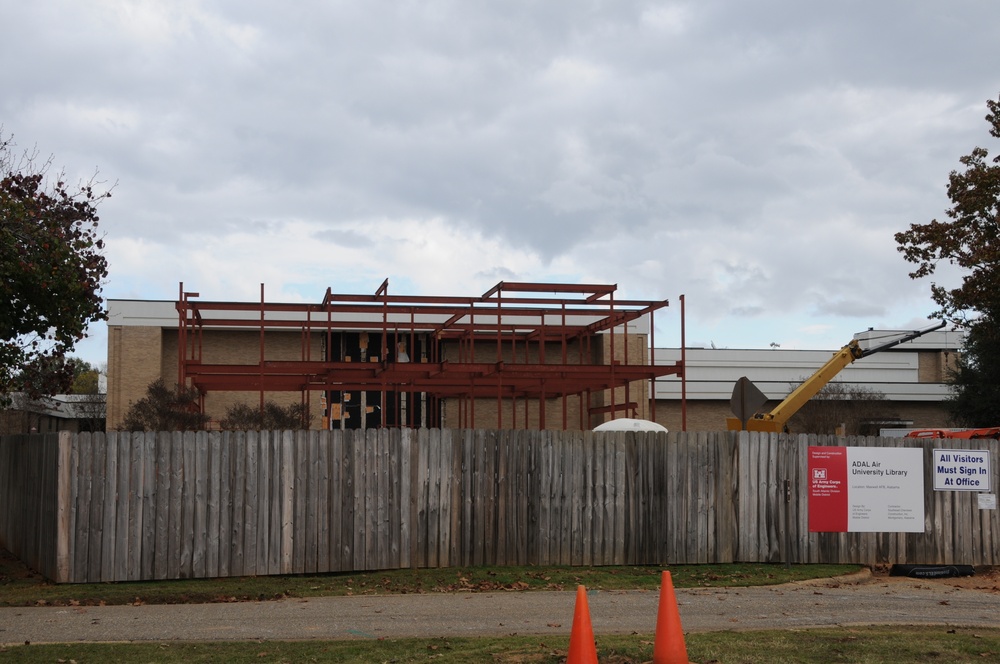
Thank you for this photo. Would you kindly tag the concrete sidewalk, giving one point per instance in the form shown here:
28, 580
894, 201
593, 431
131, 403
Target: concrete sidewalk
475, 614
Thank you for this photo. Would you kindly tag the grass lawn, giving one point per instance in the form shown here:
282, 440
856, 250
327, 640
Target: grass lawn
19, 586
864, 645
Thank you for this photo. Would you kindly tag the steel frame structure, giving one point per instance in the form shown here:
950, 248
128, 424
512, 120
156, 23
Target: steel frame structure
496, 346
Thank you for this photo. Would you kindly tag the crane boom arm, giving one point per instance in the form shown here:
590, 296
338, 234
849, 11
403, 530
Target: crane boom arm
775, 420
812, 385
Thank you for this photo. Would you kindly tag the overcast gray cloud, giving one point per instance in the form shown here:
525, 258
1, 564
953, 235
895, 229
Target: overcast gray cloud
757, 157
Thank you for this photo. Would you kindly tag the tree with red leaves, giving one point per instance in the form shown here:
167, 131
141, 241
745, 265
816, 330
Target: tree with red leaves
970, 240
51, 273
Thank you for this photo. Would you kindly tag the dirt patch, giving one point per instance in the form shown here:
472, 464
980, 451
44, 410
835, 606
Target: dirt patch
986, 579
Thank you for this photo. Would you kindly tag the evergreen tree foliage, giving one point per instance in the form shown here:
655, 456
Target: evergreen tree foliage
976, 398
165, 409
272, 417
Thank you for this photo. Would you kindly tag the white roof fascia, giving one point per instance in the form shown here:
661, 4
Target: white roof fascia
146, 313
163, 314
670, 389
713, 372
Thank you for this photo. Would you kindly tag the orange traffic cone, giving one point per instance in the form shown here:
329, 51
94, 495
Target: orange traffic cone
668, 646
582, 649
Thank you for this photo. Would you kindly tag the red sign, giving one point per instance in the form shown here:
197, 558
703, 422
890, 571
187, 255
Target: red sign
828, 489
866, 489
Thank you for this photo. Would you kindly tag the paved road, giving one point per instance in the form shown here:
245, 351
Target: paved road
797, 605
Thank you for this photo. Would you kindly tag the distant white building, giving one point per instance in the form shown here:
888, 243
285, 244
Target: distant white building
911, 375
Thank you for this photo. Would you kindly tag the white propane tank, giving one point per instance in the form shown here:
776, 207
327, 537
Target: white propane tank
630, 424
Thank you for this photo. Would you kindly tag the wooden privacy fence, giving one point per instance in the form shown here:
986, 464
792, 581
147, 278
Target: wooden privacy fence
134, 506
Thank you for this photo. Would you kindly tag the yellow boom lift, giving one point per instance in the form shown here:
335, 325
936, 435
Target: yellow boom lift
774, 421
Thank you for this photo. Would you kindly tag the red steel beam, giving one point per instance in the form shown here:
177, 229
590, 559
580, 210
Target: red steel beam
575, 314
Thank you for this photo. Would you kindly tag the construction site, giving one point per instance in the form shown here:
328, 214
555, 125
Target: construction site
522, 355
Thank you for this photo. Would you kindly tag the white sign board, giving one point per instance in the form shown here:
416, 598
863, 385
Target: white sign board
962, 470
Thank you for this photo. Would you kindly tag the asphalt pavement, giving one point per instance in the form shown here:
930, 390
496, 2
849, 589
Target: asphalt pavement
858, 601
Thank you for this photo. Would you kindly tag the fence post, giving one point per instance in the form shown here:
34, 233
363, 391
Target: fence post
63, 508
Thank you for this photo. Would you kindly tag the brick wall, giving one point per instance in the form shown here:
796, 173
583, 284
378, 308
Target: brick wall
924, 415
936, 366
703, 415
631, 349
139, 355
134, 361
524, 414
558, 411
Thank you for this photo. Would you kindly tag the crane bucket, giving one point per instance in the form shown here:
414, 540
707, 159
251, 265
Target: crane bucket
746, 401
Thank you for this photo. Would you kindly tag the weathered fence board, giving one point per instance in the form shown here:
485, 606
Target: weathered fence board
131, 506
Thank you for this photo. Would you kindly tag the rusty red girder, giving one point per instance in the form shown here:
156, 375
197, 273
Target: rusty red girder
512, 318
469, 378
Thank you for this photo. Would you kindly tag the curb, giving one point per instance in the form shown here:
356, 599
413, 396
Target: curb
854, 579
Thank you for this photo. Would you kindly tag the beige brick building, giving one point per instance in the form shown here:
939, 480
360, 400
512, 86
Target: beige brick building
510, 359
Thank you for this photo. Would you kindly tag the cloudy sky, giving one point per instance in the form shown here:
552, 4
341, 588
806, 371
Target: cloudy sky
756, 157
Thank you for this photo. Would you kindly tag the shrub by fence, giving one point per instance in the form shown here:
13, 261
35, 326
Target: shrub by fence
134, 506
